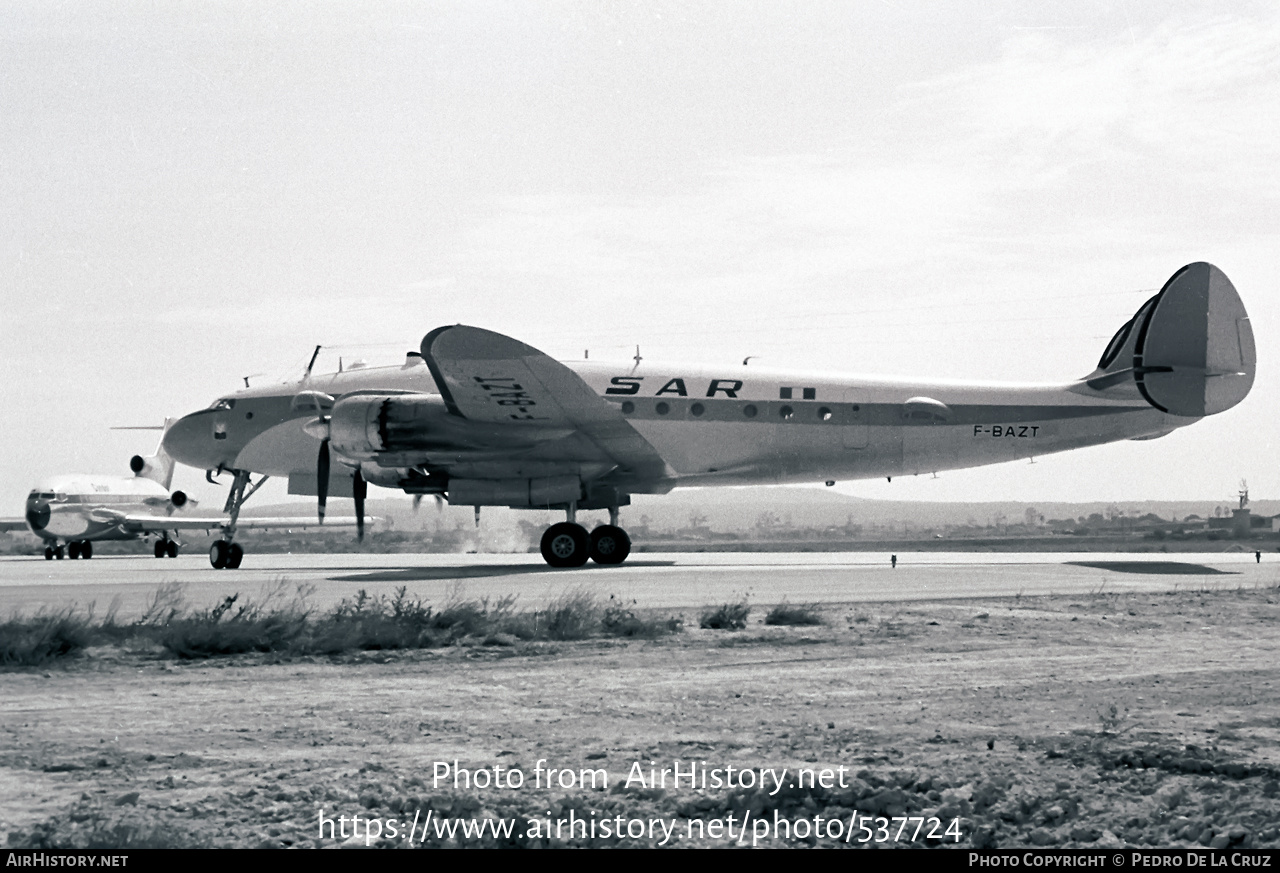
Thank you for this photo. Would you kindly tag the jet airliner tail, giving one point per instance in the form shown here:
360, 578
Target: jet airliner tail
1187, 351
157, 467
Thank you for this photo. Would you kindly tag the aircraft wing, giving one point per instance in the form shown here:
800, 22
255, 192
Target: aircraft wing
10, 524
491, 378
142, 524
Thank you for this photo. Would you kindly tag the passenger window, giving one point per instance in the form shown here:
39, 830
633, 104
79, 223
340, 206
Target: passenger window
786, 412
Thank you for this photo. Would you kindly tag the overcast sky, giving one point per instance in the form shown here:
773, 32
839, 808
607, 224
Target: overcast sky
193, 193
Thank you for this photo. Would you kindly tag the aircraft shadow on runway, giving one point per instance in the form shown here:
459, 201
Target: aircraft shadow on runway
424, 574
1155, 568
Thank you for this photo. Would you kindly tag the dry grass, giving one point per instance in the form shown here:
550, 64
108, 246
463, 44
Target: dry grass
283, 622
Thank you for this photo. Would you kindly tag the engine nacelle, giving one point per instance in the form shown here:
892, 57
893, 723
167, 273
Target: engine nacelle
367, 424
548, 491
178, 499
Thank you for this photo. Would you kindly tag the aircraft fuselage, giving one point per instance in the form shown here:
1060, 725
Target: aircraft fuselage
75, 507
734, 425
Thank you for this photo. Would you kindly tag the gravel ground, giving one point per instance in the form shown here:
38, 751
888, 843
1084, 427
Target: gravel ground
1101, 720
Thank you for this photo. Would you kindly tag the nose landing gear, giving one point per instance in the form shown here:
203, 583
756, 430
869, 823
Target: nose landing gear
225, 553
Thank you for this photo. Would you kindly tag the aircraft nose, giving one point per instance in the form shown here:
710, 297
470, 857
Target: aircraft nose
190, 441
37, 514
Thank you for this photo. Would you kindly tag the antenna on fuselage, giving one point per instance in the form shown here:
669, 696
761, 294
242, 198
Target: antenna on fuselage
637, 358
747, 358
312, 362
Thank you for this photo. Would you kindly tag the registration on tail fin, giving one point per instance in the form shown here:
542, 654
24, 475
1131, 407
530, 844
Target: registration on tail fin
1187, 351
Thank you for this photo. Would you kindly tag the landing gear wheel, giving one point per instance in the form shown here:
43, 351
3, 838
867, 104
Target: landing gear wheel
160, 549
565, 545
609, 544
57, 552
171, 549
48, 553
86, 550
235, 555
218, 554
73, 550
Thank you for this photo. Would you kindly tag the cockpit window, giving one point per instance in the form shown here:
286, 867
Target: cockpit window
224, 403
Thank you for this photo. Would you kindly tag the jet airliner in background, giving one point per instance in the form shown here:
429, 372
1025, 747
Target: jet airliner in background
482, 419
72, 512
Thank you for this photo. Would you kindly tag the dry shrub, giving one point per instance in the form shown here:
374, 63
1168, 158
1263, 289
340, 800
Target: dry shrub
28, 642
621, 622
727, 616
228, 629
574, 615
786, 614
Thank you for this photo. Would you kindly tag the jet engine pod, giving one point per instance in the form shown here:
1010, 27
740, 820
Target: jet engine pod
367, 424
178, 499
1195, 354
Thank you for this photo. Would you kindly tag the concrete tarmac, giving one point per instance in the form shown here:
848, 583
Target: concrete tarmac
646, 580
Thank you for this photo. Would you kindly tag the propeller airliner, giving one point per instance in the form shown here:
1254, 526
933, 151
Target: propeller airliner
482, 419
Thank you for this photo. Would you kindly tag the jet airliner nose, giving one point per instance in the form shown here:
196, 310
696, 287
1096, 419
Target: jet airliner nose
190, 441
37, 513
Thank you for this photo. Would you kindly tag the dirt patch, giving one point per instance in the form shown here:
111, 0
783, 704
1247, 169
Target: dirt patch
1139, 719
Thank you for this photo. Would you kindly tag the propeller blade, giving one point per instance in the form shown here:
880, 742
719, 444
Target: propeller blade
417, 501
359, 488
439, 503
322, 477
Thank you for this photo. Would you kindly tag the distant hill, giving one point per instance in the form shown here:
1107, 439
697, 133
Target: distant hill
737, 510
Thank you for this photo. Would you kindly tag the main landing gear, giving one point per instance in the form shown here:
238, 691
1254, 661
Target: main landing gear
226, 554
165, 547
75, 549
568, 544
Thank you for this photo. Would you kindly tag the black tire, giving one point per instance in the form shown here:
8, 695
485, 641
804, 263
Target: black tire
171, 549
159, 549
235, 555
57, 553
86, 550
609, 544
218, 554
73, 550
48, 553
566, 545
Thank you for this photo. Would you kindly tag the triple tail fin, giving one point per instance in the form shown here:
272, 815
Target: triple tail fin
1188, 351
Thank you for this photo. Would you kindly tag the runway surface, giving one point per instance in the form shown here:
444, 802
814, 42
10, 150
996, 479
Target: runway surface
651, 580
